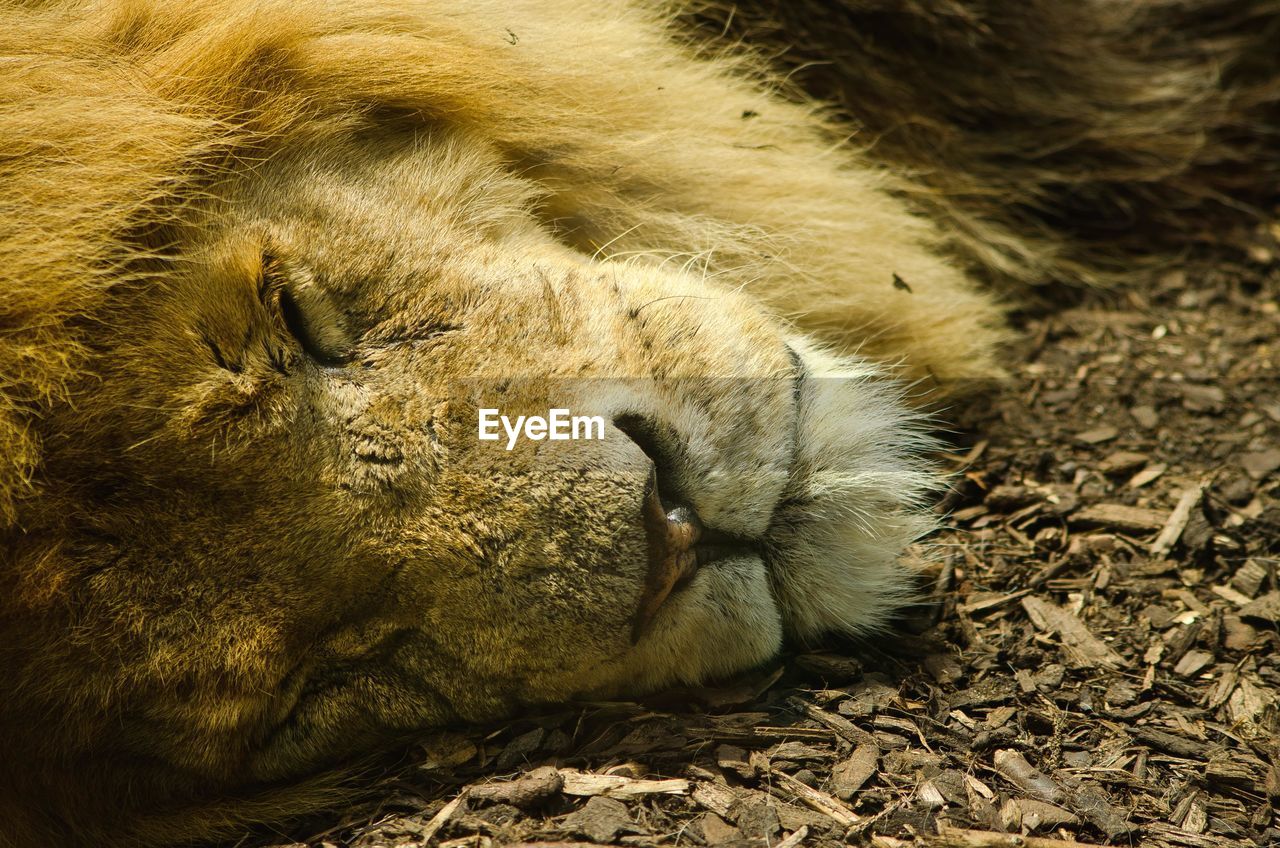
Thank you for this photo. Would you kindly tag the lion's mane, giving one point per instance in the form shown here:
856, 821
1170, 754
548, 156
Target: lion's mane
118, 118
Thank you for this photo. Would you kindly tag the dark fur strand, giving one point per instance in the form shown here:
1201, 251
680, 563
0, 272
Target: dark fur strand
1078, 142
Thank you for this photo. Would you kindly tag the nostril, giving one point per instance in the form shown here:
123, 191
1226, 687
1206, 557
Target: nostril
679, 545
642, 431
672, 535
660, 444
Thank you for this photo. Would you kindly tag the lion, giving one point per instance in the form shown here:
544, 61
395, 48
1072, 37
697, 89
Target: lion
265, 263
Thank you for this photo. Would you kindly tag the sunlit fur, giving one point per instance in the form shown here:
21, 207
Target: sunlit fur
234, 560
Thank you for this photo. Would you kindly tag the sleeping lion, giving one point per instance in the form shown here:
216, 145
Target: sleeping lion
268, 266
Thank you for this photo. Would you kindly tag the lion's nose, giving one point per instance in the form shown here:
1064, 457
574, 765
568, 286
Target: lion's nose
672, 534
678, 542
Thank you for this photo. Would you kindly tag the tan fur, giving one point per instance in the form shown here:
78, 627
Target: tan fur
237, 553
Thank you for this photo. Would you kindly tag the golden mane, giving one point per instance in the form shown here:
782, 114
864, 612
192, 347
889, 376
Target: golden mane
116, 116
123, 122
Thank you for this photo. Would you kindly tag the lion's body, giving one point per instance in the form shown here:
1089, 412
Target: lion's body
261, 263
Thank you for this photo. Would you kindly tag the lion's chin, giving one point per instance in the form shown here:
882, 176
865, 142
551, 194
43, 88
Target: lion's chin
724, 620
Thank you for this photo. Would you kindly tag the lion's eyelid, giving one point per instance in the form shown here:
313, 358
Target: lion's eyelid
305, 309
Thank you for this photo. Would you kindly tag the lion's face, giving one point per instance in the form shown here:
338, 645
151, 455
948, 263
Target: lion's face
296, 541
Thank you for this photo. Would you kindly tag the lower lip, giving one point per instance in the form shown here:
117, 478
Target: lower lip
698, 556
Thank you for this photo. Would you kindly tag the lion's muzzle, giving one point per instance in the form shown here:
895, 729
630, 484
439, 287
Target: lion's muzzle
679, 545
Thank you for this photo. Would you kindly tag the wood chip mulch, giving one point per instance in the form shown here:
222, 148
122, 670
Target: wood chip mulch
1101, 665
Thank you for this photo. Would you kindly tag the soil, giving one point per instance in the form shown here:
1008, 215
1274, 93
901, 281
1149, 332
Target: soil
1100, 664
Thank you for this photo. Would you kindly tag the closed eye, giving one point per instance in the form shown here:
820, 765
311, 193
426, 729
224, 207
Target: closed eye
308, 315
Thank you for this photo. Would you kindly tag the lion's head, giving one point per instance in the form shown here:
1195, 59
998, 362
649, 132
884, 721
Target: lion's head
282, 258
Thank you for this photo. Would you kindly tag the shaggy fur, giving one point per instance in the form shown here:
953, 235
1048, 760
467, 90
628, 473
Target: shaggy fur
1084, 142
261, 261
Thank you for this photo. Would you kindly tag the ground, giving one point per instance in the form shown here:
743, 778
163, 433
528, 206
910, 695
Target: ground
1101, 665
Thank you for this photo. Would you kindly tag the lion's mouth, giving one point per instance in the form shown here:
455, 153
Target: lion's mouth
679, 545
